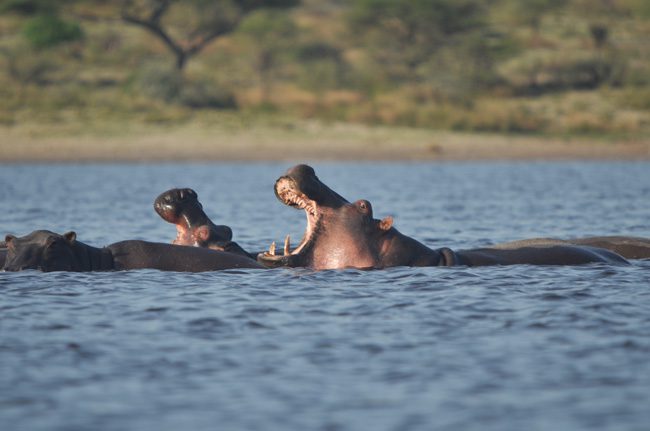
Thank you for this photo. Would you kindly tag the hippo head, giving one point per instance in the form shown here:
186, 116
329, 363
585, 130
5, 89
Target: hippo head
339, 234
42, 250
182, 208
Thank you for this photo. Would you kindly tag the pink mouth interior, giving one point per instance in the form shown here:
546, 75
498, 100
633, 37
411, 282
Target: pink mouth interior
286, 190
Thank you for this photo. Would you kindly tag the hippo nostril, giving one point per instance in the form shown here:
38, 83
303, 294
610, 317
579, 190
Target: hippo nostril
159, 207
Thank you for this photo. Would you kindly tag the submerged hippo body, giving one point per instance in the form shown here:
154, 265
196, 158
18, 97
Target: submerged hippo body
49, 251
3, 253
182, 208
341, 234
538, 255
630, 247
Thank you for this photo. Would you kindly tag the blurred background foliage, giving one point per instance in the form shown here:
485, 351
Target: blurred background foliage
536, 66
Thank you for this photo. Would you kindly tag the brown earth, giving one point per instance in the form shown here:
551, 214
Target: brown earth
301, 141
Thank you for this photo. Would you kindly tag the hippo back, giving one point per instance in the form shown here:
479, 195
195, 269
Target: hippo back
539, 255
3, 256
135, 254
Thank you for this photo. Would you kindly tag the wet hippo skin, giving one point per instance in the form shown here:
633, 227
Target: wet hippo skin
48, 251
3, 253
341, 234
630, 247
182, 208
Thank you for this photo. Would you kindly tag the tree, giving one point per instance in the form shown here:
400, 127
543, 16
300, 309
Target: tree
531, 13
203, 21
409, 32
272, 32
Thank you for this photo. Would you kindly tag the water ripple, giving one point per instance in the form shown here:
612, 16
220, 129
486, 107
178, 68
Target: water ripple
496, 348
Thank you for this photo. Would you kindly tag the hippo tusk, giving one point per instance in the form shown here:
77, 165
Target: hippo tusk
272, 249
287, 245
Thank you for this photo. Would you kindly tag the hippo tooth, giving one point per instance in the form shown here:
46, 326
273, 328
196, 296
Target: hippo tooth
287, 245
272, 249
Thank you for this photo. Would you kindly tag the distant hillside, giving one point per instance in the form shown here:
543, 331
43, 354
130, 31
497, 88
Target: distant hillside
577, 67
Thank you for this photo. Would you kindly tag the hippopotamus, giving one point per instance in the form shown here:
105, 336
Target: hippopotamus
49, 251
182, 208
3, 253
630, 247
341, 234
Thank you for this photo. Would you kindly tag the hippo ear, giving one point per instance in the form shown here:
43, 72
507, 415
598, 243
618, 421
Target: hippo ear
386, 223
70, 236
9, 240
202, 233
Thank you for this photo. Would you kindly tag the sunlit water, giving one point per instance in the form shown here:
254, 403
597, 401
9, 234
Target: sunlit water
495, 348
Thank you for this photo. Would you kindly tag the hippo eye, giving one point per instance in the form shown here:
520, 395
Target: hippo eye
364, 207
52, 242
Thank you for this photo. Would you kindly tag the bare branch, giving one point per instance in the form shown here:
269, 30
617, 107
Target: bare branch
159, 10
198, 43
152, 24
149, 17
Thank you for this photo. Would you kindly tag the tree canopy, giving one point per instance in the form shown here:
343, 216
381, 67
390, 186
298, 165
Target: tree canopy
187, 26
409, 32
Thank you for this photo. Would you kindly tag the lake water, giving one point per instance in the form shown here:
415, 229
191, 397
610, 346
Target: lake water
493, 348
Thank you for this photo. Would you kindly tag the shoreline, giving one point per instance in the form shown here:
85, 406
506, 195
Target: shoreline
308, 141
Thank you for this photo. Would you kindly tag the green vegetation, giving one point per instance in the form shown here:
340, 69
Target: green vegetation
552, 67
195, 24
45, 31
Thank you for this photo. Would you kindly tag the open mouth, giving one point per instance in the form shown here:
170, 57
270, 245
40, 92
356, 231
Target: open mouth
289, 194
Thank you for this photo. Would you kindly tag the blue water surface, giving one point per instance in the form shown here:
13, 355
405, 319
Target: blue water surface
493, 348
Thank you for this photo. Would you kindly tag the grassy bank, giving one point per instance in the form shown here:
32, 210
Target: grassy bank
572, 81
236, 136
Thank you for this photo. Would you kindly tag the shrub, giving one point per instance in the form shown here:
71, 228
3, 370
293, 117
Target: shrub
204, 94
538, 74
159, 82
168, 84
44, 31
28, 7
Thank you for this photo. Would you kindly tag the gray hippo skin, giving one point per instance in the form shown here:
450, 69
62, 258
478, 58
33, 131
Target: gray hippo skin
341, 234
630, 247
48, 251
3, 253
